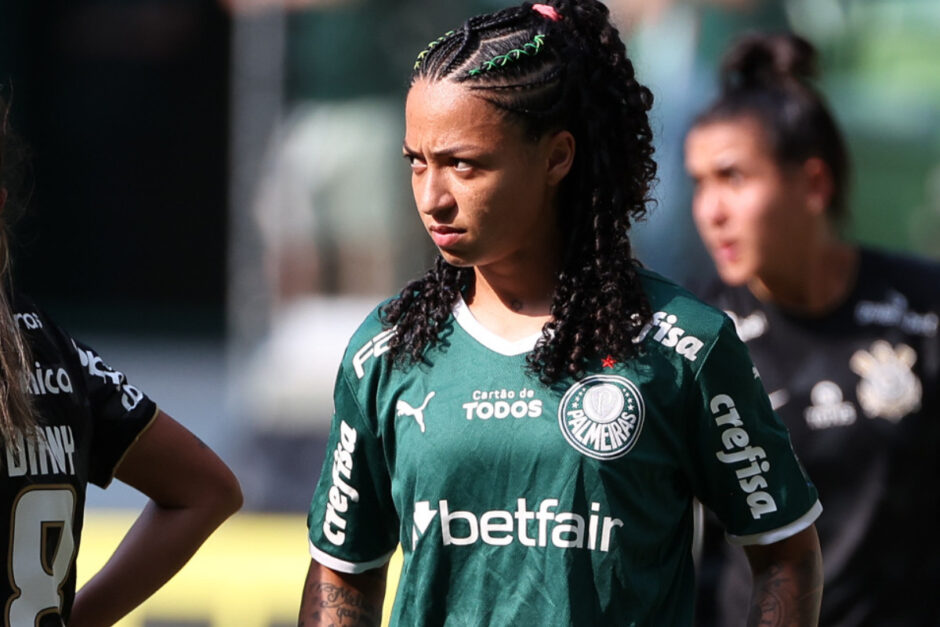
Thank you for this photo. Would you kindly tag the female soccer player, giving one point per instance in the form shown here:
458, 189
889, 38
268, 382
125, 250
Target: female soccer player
845, 337
531, 419
66, 419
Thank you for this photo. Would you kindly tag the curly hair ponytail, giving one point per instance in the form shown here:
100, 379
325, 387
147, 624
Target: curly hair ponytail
559, 66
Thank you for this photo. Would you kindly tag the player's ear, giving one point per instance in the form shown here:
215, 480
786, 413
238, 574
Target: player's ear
820, 184
560, 151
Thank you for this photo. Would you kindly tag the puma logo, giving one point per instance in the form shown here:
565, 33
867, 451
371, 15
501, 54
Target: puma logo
404, 409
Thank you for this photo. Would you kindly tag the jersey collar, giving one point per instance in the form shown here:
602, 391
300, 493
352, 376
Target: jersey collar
487, 338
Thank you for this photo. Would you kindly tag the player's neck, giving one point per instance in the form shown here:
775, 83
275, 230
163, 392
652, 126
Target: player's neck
816, 285
511, 308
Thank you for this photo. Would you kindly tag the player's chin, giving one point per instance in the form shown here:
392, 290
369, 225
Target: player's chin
733, 274
457, 258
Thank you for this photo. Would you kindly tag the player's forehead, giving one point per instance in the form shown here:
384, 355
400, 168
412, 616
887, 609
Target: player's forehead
441, 115
721, 143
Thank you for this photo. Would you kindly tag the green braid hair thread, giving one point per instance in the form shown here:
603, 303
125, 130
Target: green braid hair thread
431, 47
531, 48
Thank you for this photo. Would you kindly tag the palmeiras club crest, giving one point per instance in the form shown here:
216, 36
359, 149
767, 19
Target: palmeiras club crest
602, 415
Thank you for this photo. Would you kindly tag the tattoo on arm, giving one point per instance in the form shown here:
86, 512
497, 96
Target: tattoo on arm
787, 596
340, 606
770, 603
199, 441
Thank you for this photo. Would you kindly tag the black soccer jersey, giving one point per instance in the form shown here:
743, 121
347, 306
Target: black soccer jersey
858, 389
88, 415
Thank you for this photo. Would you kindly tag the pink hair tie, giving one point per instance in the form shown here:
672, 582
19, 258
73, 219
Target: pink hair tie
547, 11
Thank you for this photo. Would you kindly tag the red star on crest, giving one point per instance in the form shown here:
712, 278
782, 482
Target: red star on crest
608, 362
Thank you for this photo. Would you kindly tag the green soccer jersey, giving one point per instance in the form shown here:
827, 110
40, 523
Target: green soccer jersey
517, 503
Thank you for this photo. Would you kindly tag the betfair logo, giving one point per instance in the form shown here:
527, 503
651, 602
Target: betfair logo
529, 527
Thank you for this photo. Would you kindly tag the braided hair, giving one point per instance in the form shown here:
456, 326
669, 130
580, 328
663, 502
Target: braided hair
768, 76
551, 67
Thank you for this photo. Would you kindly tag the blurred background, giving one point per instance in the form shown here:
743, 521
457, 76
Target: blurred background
219, 199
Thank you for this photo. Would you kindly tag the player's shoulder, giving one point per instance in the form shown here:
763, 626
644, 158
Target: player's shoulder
911, 275
668, 296
368, 343
39, 330
681, 321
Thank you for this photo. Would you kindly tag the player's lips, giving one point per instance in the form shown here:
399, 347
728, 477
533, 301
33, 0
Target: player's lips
444, 236
725, 250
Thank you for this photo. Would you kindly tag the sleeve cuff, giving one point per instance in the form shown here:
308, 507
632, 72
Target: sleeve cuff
342, 566
780, 533
110, 477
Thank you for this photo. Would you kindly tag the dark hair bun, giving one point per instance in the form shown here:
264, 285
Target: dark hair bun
764, 60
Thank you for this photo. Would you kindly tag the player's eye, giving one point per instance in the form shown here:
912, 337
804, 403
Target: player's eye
732, 176
415, 163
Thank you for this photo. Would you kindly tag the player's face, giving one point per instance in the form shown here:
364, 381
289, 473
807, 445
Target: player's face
747, 208
484, 192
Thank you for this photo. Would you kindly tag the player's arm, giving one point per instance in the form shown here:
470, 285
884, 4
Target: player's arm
788, 581
191, 492
334, 598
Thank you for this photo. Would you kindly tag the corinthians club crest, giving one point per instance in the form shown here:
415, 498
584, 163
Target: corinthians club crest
601, 416
889, 388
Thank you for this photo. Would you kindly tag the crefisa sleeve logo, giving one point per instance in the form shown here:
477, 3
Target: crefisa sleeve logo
602, 415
